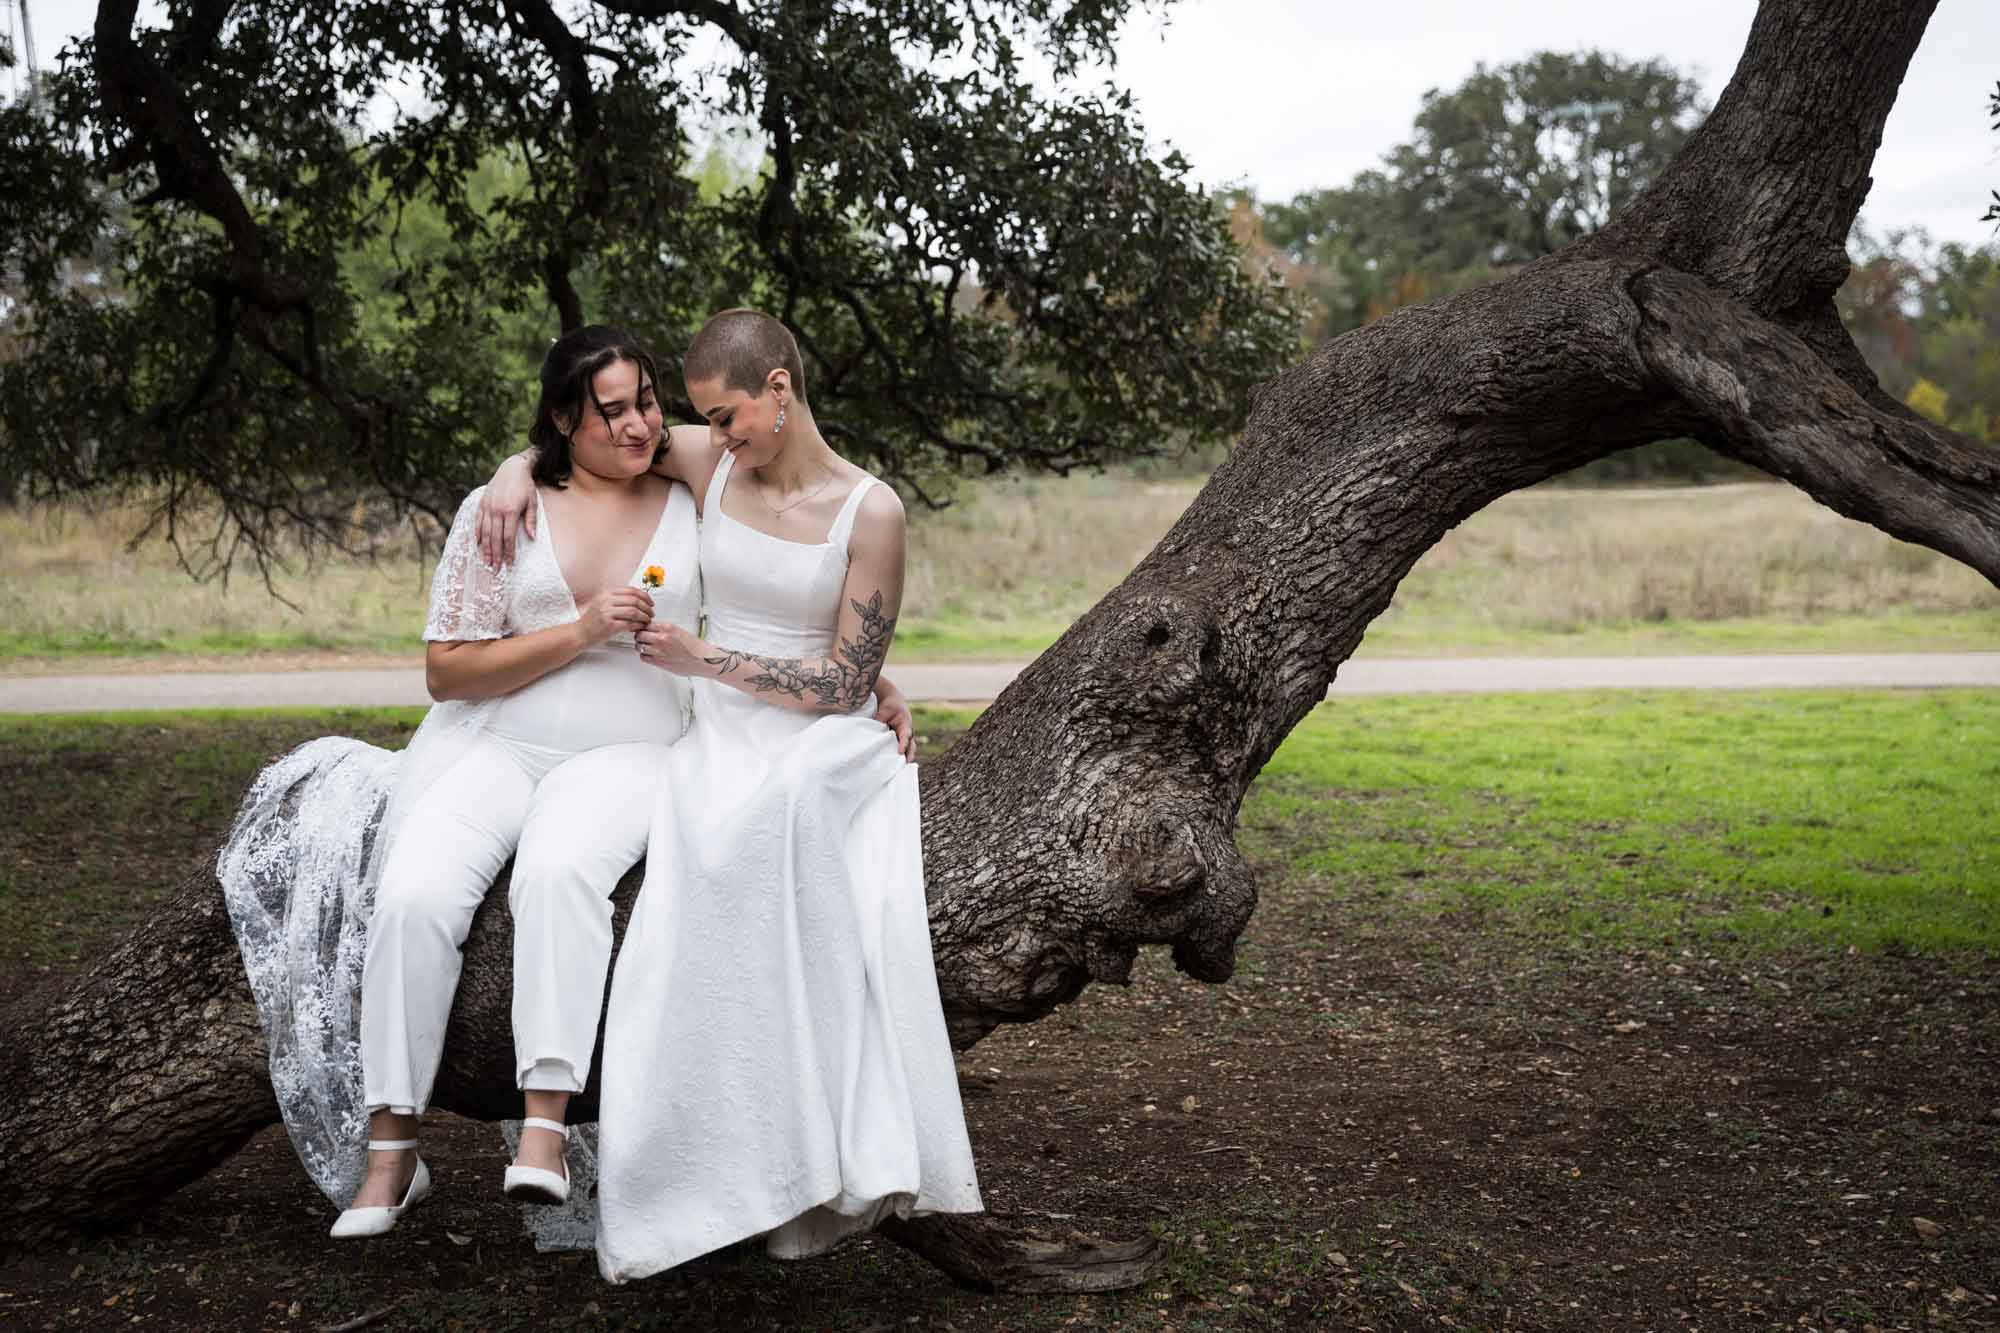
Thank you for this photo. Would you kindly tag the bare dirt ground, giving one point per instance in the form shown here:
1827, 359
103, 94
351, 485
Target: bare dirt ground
1386, 1121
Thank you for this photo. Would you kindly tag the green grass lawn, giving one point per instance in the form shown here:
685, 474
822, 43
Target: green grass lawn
102, 815
1821, 818
1830, 818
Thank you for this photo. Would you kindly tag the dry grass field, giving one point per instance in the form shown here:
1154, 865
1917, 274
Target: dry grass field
1733, 567
1740, 567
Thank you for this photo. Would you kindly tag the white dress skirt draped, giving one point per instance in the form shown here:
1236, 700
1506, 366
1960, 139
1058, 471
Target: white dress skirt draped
775, 1057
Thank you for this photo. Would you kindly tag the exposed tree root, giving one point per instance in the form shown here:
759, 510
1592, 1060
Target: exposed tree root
998, 1253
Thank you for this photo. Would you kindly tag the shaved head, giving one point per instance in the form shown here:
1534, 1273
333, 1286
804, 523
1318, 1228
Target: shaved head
742, 348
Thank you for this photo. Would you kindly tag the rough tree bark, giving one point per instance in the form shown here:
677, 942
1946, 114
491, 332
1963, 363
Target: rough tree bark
1090, 811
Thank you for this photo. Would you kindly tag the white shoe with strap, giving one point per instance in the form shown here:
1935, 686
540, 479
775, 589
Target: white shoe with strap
532, 1184
359, 1222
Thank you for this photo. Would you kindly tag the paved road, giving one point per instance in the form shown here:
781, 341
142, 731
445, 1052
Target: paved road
974, 682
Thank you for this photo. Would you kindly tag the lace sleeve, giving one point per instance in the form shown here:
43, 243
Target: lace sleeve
468, 596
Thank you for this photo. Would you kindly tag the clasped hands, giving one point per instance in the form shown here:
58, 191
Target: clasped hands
618, 611
630, 611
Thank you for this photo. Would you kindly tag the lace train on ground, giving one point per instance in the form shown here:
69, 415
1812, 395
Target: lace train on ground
294, 877
298, 877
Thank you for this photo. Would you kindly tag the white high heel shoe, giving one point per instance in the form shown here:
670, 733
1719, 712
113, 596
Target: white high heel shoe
358, 1222
532, 1184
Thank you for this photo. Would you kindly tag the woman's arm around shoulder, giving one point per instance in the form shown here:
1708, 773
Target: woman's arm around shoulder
507, 505
688, 458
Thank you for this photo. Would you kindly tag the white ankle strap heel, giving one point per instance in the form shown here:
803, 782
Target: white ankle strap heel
359, 1222
531, 1184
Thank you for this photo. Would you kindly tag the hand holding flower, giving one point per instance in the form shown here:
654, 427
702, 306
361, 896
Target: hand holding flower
614, 611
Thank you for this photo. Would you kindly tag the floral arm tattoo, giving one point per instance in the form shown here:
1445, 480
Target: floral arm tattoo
842, 681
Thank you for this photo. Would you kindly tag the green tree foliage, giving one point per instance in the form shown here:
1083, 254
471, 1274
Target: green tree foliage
1927, 317
1885, 289
343, 228
1959, 344
1514, 163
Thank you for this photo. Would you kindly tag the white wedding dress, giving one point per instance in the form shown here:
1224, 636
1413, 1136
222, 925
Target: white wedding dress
305, 855
775, 1055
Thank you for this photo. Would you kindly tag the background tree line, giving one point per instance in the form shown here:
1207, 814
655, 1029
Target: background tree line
1927, 316
232, 276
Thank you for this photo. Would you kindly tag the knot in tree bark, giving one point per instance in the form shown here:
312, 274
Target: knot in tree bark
1107, 782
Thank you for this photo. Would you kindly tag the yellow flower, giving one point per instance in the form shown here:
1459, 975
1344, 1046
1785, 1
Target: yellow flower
653, 577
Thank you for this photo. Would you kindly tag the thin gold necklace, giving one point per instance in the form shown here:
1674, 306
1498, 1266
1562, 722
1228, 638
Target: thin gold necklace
780, 513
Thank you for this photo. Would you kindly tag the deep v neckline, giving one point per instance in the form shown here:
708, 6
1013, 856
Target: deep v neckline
549, 540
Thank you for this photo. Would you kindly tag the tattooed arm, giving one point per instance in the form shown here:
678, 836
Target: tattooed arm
841, 681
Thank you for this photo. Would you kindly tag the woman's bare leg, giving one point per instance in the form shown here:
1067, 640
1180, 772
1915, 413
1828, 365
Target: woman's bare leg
540, 1147
388, 1178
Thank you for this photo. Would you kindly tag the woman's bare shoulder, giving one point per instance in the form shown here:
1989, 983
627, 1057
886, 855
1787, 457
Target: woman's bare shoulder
879, 524
881, 505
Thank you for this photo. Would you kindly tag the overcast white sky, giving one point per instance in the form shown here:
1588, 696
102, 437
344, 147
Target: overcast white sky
1290, 95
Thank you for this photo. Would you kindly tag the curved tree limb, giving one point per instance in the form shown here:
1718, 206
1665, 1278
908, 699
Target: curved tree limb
165, 132
1769, 400
141, 1076
570, 55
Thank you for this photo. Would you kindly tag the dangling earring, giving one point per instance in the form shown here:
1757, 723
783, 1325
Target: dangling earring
781, 420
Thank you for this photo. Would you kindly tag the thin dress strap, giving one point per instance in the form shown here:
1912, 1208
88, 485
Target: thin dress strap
711, 503
843, 523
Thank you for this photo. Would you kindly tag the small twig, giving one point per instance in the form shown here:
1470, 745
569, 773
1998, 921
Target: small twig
1540, 1040
360, 1320
1227, 1147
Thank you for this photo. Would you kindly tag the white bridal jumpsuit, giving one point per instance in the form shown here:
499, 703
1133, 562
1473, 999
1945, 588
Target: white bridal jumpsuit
563, 774
775, 1054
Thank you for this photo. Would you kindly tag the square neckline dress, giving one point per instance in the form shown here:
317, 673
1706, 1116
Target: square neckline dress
775, 1055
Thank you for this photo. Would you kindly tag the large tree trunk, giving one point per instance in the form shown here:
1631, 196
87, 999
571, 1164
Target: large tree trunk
1091, 809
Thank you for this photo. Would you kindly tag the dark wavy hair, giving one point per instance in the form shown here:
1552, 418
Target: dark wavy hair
569, 373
